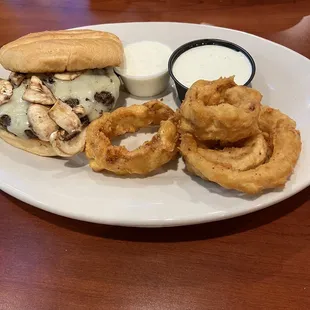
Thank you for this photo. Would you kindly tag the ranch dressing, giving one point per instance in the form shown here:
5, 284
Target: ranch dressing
144, 70
145, 58
210, 62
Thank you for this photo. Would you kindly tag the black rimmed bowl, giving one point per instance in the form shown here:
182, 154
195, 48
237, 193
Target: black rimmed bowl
182, 89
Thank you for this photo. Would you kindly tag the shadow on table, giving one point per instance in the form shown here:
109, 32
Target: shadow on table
176, 234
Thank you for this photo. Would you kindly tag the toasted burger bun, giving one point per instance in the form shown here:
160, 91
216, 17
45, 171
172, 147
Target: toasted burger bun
34, 146
56, 52
59, 51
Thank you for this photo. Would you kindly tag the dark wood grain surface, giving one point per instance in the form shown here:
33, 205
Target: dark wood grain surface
258, 261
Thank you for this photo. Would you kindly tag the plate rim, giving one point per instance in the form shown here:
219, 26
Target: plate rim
149, 223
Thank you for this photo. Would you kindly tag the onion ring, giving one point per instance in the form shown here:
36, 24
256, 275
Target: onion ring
220, 110
286, 147
250, 154
148, 157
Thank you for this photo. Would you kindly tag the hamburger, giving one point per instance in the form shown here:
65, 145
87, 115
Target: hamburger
60, 81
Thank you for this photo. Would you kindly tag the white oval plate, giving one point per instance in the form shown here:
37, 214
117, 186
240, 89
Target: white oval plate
171, 197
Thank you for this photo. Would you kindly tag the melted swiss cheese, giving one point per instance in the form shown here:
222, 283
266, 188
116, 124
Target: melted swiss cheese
82, 88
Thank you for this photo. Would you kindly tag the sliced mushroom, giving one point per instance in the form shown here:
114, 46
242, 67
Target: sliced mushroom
85, 121
67, 76
64, 116
68, 148
36, 92
16, 78
5, 120
41, 124
79, 111
6, 91
72, 102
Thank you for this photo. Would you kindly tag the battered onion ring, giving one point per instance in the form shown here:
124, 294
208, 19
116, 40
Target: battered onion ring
148, 157
220, 110
286, 147
249, 154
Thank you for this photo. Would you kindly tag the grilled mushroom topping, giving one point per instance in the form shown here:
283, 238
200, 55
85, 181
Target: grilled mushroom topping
64, 116
67, 76
67, 148
6, 91
41, 124
36, 92
16, 78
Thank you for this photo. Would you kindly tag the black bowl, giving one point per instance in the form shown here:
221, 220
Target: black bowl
181, 89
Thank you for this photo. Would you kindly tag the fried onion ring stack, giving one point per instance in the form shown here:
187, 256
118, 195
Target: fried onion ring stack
103, 155
220, 110
229, 138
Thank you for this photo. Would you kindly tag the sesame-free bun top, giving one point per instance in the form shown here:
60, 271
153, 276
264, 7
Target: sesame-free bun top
64, 50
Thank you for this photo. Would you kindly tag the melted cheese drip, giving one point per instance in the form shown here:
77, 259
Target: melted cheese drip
17, 109
84, 86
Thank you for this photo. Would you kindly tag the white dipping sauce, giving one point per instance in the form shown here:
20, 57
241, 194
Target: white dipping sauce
210, 62
144, 70
145, 58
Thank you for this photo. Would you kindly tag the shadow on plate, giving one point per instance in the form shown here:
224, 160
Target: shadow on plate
217, 189
77, 161
175, 234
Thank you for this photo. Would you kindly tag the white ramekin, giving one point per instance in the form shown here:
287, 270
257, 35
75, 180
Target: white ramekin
145, 86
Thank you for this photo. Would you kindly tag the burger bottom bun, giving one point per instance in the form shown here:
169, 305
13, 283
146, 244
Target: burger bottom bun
34, 146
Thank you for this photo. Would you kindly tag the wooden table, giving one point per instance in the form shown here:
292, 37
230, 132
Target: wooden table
258, 261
